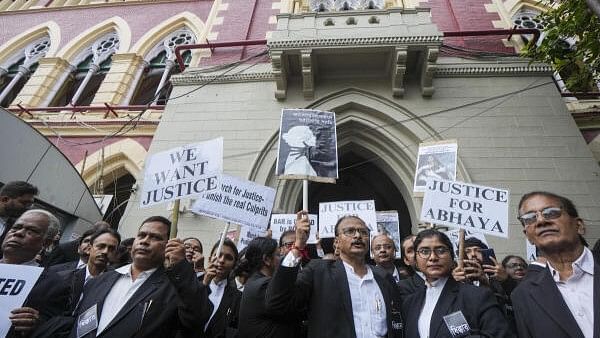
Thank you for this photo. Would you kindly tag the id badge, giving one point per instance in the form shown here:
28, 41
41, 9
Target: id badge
457, 324
87, 321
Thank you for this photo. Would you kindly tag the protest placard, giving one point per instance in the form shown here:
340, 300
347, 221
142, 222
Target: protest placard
238, 201
181, 172
531, 251
283, 222
330, 212
16, 281
435, 160
388, 223
247, 234
307, 146
453, 235
471, 207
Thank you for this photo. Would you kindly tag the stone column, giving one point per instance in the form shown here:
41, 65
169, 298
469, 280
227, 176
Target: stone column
120, 78
45, 82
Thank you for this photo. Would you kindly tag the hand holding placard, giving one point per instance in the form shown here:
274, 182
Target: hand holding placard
174, 252
302, 229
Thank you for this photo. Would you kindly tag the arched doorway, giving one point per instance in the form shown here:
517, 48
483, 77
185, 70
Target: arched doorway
360, 179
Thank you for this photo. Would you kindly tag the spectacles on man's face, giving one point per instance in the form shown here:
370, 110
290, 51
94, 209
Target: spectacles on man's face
516, 266
425, 253
363, 232
288, 245
547, 213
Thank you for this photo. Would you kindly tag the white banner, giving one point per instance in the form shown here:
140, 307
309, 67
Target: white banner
247, 234
181, 172
330, 212
453, 235
436, 160
307, 146
238, 201
531, 251
283, 222
16, 281
388, 223
471, 207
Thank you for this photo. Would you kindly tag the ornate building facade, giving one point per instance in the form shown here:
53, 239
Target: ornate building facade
102, 81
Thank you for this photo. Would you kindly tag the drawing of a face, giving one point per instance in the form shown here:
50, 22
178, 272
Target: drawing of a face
300, 136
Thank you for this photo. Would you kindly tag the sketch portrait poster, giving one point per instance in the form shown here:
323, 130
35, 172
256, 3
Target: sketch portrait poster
307, 146
435, 160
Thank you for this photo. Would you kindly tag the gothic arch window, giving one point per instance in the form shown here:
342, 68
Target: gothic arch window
161, 64
527, 18
92, 65
344, 5
22, 66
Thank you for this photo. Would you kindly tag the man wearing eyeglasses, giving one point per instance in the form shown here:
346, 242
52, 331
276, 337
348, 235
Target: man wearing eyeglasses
343, 298
561, 300
384, 253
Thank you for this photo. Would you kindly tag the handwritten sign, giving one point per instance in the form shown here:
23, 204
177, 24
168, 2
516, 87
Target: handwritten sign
283, 222
463, 205
331, 212
183, 171
238, 201
16, 281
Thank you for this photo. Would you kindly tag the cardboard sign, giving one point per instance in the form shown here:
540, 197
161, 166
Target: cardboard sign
463, 205
247, 234
307, 146
283, 222
238, 201
16, 281
181, 172
436, 160
388, 223
531, 251
453, 235
330, 212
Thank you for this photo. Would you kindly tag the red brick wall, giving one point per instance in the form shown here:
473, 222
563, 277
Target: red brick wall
75, 153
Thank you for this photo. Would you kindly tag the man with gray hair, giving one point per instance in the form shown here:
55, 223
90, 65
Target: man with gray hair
30, 233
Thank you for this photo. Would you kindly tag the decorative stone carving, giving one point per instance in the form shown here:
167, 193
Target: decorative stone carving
280, 74
401, 54
308, 83
429, 68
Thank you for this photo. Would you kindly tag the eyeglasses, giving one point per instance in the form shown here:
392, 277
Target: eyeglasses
383, 246
288, 245
426, 252
516, 266
548, 213
363, 232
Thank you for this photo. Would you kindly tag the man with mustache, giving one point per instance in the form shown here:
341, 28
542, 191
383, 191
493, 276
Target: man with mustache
560, 299
157, 295
48, 298
343, 298
103, 244
15, 198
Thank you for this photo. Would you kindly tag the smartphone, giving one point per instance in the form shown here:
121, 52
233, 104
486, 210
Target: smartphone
486, 254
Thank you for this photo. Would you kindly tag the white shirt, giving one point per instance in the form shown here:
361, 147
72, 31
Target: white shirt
238, 284
578, 291
215, 297
120, 293
368, 306
432, 295
396, 275
80, 264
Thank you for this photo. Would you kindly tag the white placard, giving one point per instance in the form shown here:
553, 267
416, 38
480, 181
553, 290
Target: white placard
389, 224
181, 172
283, 222
16, 281
330, 212
238, 201
453, 235
463, 205
247, 234
307, 146
435, 161
531, 251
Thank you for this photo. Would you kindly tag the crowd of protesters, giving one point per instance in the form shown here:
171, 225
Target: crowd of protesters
101, 285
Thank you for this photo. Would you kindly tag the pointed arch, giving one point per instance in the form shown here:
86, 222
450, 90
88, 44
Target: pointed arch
87, 37
17, 43
182, 20
513, 7
384, 130
122, 157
